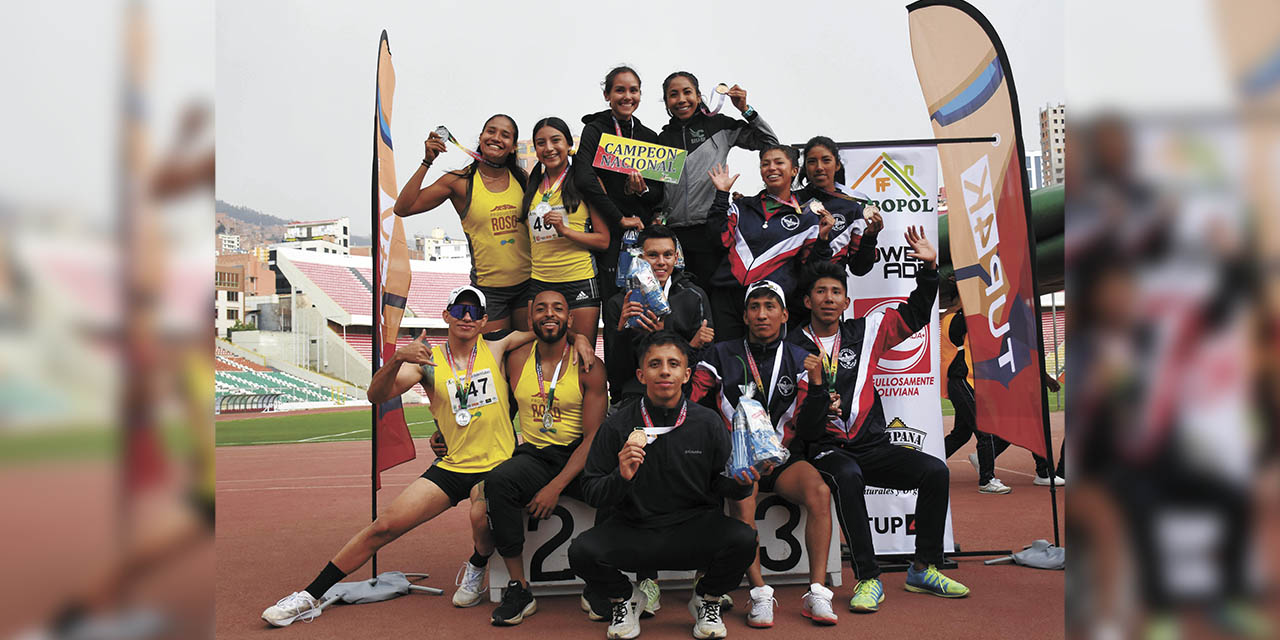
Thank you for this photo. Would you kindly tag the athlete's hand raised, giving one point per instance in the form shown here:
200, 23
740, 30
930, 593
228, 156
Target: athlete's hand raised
921, 248
705, 336
416, 352
629, 460
720, 177
813, 364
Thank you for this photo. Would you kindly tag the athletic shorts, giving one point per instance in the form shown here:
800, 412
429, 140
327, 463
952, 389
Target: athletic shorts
579, 293
500, 301
455, 485
767, 482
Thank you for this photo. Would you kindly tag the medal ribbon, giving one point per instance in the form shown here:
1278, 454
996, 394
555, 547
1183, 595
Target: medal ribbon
472, 154
755, 373
718, 103
793, 203
830, 362
471, 363
551, 393
652, 431
547, 191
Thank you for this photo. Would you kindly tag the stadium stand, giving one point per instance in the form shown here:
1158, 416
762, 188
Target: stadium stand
234, 375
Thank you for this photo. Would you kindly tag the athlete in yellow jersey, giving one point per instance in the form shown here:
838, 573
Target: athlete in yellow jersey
486, 194
561, 404
467, 388
563, 228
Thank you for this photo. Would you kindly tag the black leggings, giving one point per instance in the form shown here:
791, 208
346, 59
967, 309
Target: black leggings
712, 542
848, 472
966, 425
512, 484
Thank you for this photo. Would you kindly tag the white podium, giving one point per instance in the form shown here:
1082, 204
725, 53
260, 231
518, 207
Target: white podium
783, 558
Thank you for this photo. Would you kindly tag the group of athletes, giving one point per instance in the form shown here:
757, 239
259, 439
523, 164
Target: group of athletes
757, 288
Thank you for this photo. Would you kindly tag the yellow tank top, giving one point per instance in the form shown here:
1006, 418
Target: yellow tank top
566, 412
555, 257
499, 241
489, 438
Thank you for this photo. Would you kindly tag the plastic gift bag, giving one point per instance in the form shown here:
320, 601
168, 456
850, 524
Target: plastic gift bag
755, 441
628, 252
644, 288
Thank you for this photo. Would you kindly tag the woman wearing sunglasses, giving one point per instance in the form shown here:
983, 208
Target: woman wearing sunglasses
486, 194
563, 229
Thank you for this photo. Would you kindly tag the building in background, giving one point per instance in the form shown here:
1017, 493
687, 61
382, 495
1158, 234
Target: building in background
228, 243
439, 246
1053, 136
1035, 170
240, 282
324, 236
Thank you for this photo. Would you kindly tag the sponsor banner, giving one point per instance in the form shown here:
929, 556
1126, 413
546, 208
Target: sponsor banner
653, 161
392, 444
969, 92
904, 182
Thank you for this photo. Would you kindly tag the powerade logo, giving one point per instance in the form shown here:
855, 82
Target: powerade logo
892, 187
912, 355
903, 436
889, 525
895, 263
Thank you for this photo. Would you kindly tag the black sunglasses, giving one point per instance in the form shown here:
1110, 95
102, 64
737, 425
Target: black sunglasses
460, 309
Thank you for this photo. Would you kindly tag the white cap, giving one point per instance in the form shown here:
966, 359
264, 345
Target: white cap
765, 284
453, 295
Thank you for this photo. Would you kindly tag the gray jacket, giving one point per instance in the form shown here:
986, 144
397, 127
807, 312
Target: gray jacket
708, 140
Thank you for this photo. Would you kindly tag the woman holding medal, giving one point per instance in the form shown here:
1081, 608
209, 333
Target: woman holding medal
486, 194
853, 240
707, 135
623, 201
563, 229
768, 236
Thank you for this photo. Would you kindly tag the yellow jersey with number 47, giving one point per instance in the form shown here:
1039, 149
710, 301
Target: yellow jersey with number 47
488, 439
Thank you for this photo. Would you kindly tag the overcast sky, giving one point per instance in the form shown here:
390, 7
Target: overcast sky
295, 80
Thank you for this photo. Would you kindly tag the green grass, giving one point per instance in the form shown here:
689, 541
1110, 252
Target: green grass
1055, 404
336, 426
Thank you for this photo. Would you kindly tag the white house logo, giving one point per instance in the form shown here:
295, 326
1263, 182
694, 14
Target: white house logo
840, 222
785, 386
902, 435
912, 355
848, 358
790, 222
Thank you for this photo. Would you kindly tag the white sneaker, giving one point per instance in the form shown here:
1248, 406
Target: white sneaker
973, 460
470, 583
708, 623
625, 620
761, 614
726, 600
1044, 481
995, 487
817, 605
298, 605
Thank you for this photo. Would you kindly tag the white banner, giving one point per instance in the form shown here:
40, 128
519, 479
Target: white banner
903, 182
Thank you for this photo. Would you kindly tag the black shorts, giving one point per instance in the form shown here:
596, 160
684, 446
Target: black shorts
767, 482
579, 293
500, 301
455, 485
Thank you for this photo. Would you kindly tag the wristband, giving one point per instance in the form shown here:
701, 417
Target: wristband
749, 113
426, 164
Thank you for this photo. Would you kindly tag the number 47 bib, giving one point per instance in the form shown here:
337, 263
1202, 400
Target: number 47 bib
480, 393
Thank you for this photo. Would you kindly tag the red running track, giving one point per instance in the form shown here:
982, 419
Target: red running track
284, 510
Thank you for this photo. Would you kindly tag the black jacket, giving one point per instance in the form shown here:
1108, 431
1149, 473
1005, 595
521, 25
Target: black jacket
689, 307
850, 243
605, 190
680, 477
959, 369
862, 342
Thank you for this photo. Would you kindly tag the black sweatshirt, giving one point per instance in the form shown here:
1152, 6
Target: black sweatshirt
680, 477
605, 190
689, 307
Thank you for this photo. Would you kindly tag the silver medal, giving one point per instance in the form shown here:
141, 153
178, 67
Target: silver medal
542, 209
546, 421
462, 417
443, 132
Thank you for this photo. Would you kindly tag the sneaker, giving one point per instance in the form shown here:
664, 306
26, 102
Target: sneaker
761, 614
516, 603
1043, 481
652, 593
867, 596
708, 623
470, 583
816, 605
973, 460
625, 616
594, 613
995, 487
726, 600
930, 580
298, 605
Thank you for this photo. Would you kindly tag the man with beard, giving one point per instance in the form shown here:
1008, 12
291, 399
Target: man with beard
560, 407
464, 382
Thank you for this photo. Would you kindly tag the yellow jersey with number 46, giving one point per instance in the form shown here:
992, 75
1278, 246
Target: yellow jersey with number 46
488, 439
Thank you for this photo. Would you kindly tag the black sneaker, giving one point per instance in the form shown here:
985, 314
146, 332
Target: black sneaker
516, 603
